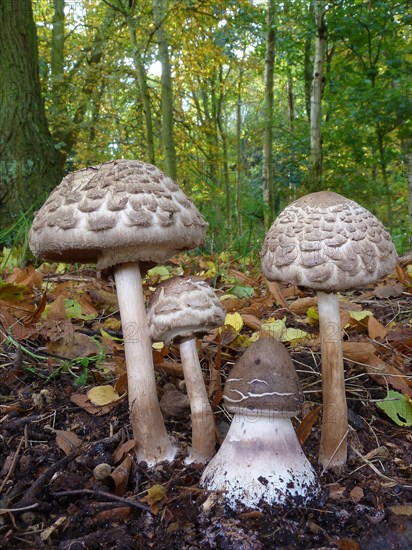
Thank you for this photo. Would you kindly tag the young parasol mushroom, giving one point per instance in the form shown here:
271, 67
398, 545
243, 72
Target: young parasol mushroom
260, 459
120, 214
328, 243
180, 310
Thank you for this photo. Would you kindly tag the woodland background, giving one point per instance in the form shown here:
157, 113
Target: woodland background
248, 104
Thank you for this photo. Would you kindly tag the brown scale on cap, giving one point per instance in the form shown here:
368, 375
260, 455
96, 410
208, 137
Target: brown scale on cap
264, 380
116, 212
327, 242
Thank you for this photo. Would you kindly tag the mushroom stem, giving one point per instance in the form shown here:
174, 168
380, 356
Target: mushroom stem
153, 443
333, 441
203, 424
260, 459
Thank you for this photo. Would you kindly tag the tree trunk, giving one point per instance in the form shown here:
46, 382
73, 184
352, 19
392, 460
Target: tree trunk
267, 171
159, 13
239, 163
29, 163
315, 161
223, 136
407, 155
143, 89
57, 49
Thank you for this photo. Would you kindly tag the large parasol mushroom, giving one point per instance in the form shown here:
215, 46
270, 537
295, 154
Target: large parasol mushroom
120, 214
328, 243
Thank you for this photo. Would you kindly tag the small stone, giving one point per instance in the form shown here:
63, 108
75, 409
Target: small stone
356, 494
102, 471
174, 404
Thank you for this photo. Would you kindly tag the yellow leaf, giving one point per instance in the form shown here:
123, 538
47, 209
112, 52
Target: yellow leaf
359, 315
280, 332
157, 346
234, 320
102, 395
154, 494
312, 313
160, 271
409, 270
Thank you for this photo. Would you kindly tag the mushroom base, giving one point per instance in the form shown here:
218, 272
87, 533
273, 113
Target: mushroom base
261, 461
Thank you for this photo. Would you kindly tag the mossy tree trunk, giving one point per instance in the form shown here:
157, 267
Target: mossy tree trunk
29, 162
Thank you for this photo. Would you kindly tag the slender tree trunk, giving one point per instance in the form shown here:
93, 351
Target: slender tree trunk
267, 171
239, 163
159, 13
57, 49
223, 136
385, 179
315, 160
407, 155
143, 89
29, 163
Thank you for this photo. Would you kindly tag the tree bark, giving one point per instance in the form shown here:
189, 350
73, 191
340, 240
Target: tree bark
407, 155
29, 163
315, 160
239, 162
159, 13
267, 175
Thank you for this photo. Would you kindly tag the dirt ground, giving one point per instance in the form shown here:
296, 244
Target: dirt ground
51, 497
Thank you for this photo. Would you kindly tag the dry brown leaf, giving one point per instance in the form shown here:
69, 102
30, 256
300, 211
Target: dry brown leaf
375, 328
275, 291
82, 401
244, 278
347, 544
57, 309
121, 384
356, 494
301, 305
232, 303
104, 300
120, 476
401, 510
123, 450
358, 352
170, 367
67, 441
251, 321
118, 514
305, 427
393, 290
73, 346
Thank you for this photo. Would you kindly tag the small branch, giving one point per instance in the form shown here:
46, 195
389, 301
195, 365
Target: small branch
125, 501
12, 466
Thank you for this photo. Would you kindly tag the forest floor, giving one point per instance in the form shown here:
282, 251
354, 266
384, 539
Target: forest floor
61, 337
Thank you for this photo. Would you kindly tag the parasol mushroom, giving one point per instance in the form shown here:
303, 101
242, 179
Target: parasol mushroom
180, 310
328, 243
120, 214
260, 459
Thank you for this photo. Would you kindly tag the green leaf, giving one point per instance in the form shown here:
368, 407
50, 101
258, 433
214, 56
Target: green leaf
74, 310
359, 315
398, 407
10, 291
241, 291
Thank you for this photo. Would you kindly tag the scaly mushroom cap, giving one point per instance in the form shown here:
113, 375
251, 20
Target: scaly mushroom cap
327, 242
116, 212
264, 382
183, 308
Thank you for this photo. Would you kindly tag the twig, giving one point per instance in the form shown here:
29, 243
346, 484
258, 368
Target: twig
30, 496
125, 501
12, 466
12, 510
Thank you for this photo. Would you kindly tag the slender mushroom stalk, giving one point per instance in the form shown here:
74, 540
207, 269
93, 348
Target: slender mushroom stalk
333, 442
154, 443
181, 309
260, 459
119, 215
203, 422
328, 243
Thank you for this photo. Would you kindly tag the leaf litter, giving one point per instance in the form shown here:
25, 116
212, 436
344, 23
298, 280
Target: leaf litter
64, 412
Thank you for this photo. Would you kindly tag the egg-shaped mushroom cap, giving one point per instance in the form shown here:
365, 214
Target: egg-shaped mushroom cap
116, 212
264, 382
181, 308
326, 242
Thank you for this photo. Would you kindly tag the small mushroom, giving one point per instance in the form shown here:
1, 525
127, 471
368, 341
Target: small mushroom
180, 310
260, 459
328, 243
120, 214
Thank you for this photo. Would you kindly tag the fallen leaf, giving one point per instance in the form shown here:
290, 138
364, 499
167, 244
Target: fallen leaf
241, 291
123, 449
305, 427
234, 320
67, 441
389, 291
82, 401
154, 496
301, 305
376, 329
347, 544
120, 476
275, 291
397, 407
102, 395
118, 514
251, 321
74, 345
401, 510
